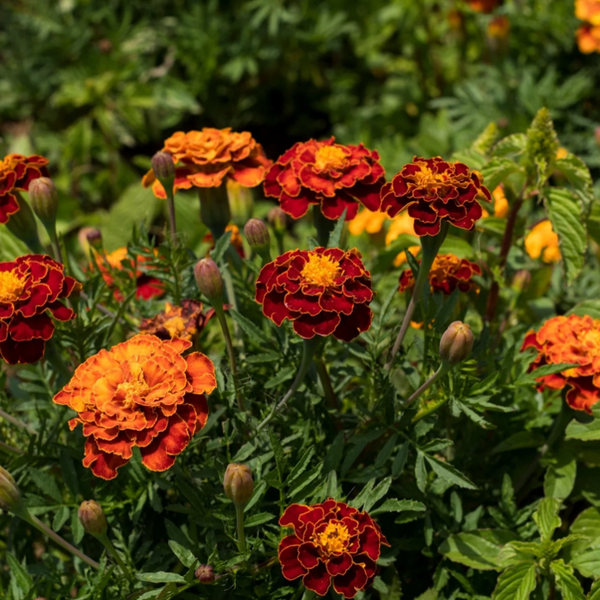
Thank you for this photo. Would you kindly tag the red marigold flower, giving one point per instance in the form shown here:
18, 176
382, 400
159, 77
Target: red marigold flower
141, 393
575, 340
433, 190
484, 6
447, 273
185, 321
31, 290
16, 173
334, 176
332, 543
205, 158
321, 291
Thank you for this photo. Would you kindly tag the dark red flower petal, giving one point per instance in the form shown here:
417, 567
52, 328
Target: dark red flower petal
317, 580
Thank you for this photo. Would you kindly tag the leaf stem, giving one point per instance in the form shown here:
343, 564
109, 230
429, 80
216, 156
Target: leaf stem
441, 371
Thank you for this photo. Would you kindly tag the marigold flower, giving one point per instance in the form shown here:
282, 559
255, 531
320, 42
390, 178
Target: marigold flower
447, 273
542, 242
147, 287
401, 257
588, 38
588, 10
369, 221
575, 340
31, 290
484, 6
16, 173
498, 28
500, 204
333, 176
142, 393
433, 190
402, 224
185, 321
332, 543
206, 158
321, 291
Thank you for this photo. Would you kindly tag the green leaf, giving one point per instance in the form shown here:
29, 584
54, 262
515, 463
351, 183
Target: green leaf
512, 144
587, 524
516, 583
283, 375
522, 439
395, 505
546, 517
587, 562
449, 473
254, 333
457, 246
22, 578
377, 494
46, 484
60, 518
497, 170
421, 472
161, 577
566, 581
587, 307
185, 556
530, 378
300, 466
586, 432
359, 501
220, 248
594, 591
560, 476
258, 519
578, 174
565, 214
336, 235
400, 460
476, 549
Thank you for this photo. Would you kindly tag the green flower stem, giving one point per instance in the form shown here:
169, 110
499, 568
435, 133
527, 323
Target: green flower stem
105, 541
23, 226
9, 448
32, 520
429, 409
230, 351
442, 370
279, 239
214, 209
323, 225
308, 351
17, 422
430, 246
326, 383
171, 208
55, 243
239, 520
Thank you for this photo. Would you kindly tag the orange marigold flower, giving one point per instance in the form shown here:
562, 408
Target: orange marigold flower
433, 190
500, 203
575, 340
369, 221
147, 287
447, 273
588, 39
588, 10
484, 6
321, 291
141, 393
236, 239
205, 158
333, 176
16, 173
542, 242
185, 321
332, 543
499, 27
31, 290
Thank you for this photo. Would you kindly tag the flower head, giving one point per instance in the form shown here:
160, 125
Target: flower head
332, 543
31, 290
433, 190
185, 321
588, 10
206, 158
499, 27
484, 6
16, 173
369, 221
142, 393
588, 38
575, 340
321, 291
327, 174
542, 242
447, 273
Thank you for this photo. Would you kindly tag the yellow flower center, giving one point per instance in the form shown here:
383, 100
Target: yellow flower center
334, 539
11, 286
175, 326
135, 389
320, 270
330, 157
427, 177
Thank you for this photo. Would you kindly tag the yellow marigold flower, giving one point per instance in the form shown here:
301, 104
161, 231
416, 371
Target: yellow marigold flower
401, 258
367, 220
562, 153
184, 321
542, 242
588, 39
402, 224
500, 203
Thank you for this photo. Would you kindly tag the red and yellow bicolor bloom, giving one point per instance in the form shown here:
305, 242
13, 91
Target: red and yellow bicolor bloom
31, 290
588, 10
332, 543
542, 242
16, 173
433, 190
142, 393
206, 158
185, 321
575, 340
333, 176
447, 273
484, 6
321, 291
588, 38
147, 287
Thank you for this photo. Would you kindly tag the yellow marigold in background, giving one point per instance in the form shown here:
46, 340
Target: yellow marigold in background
542, 242
588, 39
401, 258
498, 28
588, 10
367, 220
500, 203
402, 224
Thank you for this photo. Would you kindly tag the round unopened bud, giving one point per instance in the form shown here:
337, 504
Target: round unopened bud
456, 343
209, 279
10, 498
43, 198
238, 483
163, 166
277, 219
257, 234
205, 574
92, 517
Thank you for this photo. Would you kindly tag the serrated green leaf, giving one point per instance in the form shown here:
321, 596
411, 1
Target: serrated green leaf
336, 235
546, 517
46, 484
254, 333
594, 591
578, 174
587, 307
60, 518
395, 505
560, 476
449, 473
474, 549
586, 432
377, 494
283, 375
587, 562
186, 556
497, 170
161, 577
566, 581
516, 583
258, 519
512, 144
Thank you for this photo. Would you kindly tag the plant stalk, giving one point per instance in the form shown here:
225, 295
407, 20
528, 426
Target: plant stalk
239, 520
230, 351
323, 225
326, 383
17, 422
112, 551
442, 370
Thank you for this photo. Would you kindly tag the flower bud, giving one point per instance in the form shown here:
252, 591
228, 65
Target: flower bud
92, 517
43, 198
209, 279
257, 234
205, 574
10, 498
277, 219
456, 343
238, 483
94, 238
163, 166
